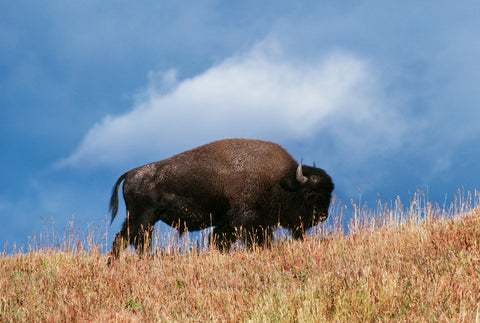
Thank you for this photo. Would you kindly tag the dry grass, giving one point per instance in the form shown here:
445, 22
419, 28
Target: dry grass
421, 264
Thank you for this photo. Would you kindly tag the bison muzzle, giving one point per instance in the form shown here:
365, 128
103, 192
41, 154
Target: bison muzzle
241, 187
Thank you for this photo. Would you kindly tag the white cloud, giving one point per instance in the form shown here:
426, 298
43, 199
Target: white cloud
257, 94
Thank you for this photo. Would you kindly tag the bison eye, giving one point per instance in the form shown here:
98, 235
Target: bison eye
315, 180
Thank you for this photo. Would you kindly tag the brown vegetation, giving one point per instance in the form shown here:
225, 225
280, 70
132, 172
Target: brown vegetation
417, 264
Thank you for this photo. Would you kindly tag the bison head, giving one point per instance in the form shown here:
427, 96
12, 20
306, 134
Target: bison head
316, 189
313, 190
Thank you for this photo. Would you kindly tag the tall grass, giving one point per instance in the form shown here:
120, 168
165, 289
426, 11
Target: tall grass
396, 263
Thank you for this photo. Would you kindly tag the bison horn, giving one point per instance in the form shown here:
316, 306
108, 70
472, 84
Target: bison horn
300, 178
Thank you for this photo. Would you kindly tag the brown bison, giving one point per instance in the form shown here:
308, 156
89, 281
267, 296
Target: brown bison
241, 187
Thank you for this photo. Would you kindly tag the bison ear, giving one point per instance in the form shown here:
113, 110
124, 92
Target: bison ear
289, 184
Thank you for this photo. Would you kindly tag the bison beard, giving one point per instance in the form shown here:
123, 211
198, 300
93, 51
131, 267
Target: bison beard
241, 187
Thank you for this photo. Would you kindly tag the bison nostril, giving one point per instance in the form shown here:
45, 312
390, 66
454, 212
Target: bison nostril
319, 215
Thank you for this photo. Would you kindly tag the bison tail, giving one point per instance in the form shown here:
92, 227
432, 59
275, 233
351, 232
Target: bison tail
114, 198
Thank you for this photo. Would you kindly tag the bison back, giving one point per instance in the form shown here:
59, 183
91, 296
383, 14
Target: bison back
231, 168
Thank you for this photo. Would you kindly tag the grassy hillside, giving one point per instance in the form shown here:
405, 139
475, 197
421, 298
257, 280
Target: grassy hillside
421, 263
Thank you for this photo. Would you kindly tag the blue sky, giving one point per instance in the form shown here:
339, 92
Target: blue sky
383, 95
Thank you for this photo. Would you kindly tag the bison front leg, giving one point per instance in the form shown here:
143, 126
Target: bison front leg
223, 238
265, 236
251, 227
258, 236
298, 233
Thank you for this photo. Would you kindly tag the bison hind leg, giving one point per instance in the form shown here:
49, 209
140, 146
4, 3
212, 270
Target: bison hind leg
143, 240
140, 238
119, 244
138, 233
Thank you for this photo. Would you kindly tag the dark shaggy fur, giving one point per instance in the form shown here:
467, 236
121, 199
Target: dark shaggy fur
241, 187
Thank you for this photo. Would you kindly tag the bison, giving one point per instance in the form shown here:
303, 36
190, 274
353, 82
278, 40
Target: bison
241, 187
